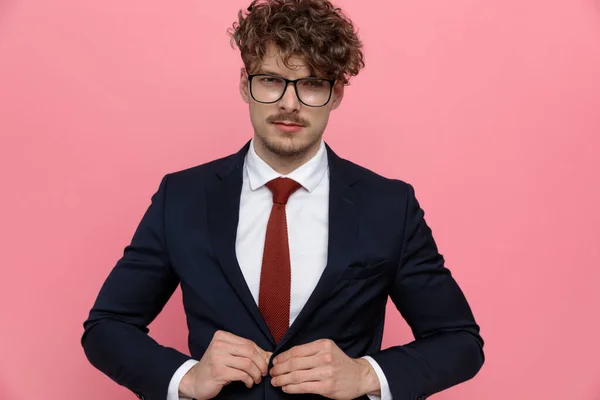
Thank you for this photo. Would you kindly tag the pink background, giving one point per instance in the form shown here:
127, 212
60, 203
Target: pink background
490, 108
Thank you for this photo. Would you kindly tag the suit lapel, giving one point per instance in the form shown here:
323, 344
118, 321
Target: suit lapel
342, 237
223, 201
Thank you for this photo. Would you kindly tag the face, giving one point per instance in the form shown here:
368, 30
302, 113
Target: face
287, 128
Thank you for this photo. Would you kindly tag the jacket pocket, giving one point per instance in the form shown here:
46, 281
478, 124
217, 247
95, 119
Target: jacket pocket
363, 271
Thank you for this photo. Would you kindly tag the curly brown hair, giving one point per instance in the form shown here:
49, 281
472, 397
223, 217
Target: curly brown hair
314, 30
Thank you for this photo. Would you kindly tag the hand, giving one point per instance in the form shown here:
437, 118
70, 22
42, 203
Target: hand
228, 358
321, 367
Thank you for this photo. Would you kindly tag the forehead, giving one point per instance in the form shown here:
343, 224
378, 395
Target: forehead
273, 62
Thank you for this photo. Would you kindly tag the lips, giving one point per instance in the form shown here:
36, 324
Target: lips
288, 127
285, 123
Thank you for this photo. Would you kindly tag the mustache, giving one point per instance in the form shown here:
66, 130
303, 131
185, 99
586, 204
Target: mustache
293, 118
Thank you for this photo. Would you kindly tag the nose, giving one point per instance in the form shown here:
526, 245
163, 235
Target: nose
289, 102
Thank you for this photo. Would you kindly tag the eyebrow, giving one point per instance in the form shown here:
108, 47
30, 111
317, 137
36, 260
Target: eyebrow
269, 72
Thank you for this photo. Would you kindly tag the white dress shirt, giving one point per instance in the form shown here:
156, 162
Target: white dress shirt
307, 213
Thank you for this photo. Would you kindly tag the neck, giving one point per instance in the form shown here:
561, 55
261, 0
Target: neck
284, 164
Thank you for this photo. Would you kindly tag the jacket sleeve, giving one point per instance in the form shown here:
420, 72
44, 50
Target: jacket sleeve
115, 338
447, 349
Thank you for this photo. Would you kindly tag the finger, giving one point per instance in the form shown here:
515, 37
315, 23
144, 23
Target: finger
244, 364
233, 374
304, 350
301, 376
230, 337
300, 363
323, 388
234, 339
245, 350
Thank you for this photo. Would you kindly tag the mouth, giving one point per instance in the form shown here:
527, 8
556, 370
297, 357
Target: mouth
288, 127
287, 123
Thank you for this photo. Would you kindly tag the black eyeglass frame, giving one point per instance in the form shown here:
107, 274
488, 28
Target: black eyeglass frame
287, 84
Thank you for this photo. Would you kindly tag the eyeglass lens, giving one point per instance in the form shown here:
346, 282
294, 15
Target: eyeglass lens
311, 91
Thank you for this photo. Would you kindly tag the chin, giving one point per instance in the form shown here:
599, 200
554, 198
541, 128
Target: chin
288, 144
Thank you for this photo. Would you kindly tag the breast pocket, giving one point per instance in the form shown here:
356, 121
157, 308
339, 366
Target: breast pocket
363, 271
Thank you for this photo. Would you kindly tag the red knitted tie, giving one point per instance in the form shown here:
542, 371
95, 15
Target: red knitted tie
275, 275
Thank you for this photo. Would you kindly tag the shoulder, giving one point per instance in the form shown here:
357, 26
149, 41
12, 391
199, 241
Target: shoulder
378, 183
199, 175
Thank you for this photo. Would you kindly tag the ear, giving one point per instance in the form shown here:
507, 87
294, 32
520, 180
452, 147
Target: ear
244, 87
337, 95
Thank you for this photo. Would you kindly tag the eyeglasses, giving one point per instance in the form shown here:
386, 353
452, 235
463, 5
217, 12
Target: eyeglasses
313, 92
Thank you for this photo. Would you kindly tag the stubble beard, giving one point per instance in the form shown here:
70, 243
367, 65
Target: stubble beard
285, 147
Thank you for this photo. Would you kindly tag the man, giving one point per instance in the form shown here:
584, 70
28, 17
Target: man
286, 254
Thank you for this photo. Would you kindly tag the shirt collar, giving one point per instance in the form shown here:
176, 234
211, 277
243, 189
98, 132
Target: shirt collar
309, 174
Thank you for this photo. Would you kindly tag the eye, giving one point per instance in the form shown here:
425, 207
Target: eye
269, 80
314, 83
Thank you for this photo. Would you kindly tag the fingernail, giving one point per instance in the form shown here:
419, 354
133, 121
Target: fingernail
274, 361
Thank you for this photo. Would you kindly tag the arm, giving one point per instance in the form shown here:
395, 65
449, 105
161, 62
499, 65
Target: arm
175, 383
384, 387
115, 338
447, 349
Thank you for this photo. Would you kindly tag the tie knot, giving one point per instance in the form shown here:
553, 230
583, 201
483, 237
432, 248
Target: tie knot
282, 189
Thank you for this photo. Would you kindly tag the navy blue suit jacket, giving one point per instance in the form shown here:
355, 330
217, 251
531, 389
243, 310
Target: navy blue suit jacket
379, 246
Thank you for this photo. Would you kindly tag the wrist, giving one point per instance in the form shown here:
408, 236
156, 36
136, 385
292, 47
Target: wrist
369, 381
186, 387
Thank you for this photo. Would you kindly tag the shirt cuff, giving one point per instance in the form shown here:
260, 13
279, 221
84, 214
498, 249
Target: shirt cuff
173, 391
385, 387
